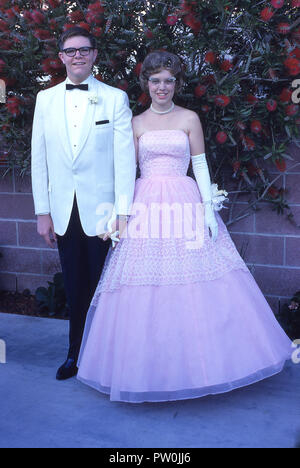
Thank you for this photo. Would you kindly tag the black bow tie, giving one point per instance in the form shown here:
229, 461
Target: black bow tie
83, 87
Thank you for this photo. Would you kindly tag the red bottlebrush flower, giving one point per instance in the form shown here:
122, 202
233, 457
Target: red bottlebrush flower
266, 14
68, 26
283, 28
280, 164
240, 125
210, 57
53, 24
205, 108
256, 126
209, 79
172, 20
248, 143
6, 44
295, 3
76, 16
52, 65
222, 101
251, 169
293, 66
236, 165
296, 35
200, 90
137, 69
291, 110
185, 7
9, 82
97, 31
144, 99
13, 106
54, 3
273, 192
55, 80
277, 3
95, 13
251, 99
42, 34
2, 66
193, 23
271, 105
295, 53
285, 95
96, 7
148, 33
85, 26
221, 137
11, 13
3, 26
94, 19
4, 4
27, 16
123, 84
226, 65
37, 17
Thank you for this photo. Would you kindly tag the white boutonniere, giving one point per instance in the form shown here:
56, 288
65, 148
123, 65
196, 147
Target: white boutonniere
218, 197
93, 99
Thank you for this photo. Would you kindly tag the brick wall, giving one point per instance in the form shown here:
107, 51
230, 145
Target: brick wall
268, 243
26, 261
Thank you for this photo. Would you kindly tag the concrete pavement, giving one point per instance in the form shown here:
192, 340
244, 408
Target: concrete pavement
38, 411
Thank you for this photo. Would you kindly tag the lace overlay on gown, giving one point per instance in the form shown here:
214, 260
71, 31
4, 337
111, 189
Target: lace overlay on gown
168, 322
164, 158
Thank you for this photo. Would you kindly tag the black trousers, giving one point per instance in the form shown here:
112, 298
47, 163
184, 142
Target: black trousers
82, 259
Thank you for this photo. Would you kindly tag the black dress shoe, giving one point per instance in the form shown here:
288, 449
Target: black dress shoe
67, 370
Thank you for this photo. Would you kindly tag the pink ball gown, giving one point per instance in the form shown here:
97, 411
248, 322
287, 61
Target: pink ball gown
174, 318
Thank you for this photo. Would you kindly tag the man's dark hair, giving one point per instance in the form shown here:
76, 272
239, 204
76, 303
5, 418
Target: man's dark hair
76, 31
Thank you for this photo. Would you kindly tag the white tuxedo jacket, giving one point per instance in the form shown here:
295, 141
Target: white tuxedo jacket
102, 174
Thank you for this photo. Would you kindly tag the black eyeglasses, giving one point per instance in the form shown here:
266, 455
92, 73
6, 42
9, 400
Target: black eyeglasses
71, 51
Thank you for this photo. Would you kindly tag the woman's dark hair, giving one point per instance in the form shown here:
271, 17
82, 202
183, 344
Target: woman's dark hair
160, 60
76, 31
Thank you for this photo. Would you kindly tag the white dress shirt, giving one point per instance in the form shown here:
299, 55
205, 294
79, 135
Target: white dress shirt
76, 108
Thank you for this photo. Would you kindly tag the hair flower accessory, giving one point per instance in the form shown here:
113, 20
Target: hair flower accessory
93, 99
218, 197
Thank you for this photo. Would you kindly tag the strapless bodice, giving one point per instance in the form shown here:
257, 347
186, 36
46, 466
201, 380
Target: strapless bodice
164, 153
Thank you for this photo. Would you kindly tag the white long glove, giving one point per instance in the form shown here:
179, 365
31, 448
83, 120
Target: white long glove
202, 176
113, 235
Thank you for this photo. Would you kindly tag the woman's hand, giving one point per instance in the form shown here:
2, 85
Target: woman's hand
211, 222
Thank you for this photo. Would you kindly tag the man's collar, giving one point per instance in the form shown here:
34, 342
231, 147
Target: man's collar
87, 81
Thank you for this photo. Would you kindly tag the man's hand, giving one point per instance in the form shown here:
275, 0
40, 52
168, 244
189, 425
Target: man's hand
45, 229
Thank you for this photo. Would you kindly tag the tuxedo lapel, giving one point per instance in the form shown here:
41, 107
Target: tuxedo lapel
60, 109
89, 116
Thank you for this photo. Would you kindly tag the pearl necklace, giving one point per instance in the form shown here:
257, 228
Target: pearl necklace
162, 112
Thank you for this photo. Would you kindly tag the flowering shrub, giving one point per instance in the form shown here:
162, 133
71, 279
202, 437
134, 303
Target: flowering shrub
240, 61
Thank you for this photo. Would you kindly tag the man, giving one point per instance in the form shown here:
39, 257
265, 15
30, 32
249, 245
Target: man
83, 170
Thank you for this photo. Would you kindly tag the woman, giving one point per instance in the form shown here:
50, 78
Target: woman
176, 313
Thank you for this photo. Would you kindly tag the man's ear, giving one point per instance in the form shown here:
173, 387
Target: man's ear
95, 54
61, 56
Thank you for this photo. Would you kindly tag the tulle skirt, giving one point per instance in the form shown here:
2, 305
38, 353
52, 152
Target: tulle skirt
169, 322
